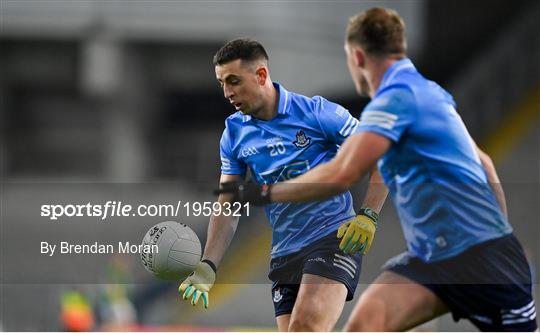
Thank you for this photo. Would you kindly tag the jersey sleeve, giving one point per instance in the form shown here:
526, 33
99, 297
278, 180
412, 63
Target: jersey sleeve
335, 121
229, 164
390, 114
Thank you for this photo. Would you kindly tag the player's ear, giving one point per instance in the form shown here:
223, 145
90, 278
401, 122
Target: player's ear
262, 74
359, 57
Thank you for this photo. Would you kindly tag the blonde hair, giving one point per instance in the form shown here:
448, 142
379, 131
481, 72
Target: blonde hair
379, 31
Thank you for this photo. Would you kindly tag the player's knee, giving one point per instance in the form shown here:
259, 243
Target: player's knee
305, 321
368, 316
303, 325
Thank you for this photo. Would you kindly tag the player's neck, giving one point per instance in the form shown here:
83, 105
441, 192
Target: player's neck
271, 105
376, 71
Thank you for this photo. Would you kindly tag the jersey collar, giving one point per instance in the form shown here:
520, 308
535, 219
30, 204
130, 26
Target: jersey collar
391, 72
283, 104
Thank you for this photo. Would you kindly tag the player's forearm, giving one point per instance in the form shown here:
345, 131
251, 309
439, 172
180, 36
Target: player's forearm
496, 185
355, 158
499, 194
221, 230
376, 192
319, 183
493, 180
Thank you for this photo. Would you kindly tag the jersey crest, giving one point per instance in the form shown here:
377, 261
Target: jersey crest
302, 140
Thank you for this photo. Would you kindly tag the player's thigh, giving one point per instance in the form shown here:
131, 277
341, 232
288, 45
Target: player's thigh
394, 303
319, 304
283, 322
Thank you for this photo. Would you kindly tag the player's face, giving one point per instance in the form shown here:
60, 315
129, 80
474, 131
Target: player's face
357, 73
240, 86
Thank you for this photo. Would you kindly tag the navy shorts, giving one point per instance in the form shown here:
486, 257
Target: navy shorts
490, 284
323, 258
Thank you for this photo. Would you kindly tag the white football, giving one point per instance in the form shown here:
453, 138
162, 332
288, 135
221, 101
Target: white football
177, 251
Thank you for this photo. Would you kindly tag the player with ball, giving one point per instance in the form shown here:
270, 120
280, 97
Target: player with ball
279, 135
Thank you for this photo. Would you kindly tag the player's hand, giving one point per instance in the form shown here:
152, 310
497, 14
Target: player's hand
197, 285
357, 234
258, 195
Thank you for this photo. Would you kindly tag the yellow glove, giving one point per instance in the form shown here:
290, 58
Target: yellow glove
357, 234
198, 284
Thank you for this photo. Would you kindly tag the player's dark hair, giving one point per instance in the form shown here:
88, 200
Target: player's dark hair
379, 31
245, 49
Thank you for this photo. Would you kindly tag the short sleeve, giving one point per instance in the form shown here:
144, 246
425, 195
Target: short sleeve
390, 114
336, 122
229, 164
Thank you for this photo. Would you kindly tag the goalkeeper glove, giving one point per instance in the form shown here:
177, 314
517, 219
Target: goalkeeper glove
258, 195
357, 234
198, 284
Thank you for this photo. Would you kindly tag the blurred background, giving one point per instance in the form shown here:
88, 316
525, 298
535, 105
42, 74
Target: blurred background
117, 100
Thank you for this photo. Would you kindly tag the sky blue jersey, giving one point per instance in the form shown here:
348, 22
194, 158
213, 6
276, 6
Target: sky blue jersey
432, 168
305, 133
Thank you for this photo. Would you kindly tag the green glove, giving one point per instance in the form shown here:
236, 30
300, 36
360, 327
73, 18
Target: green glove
357, 234
198, 284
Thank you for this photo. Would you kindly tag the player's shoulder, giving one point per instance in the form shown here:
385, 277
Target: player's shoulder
237, 117
394, 95
314, 104
299, 101
398, 89
236, 121
233, 124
